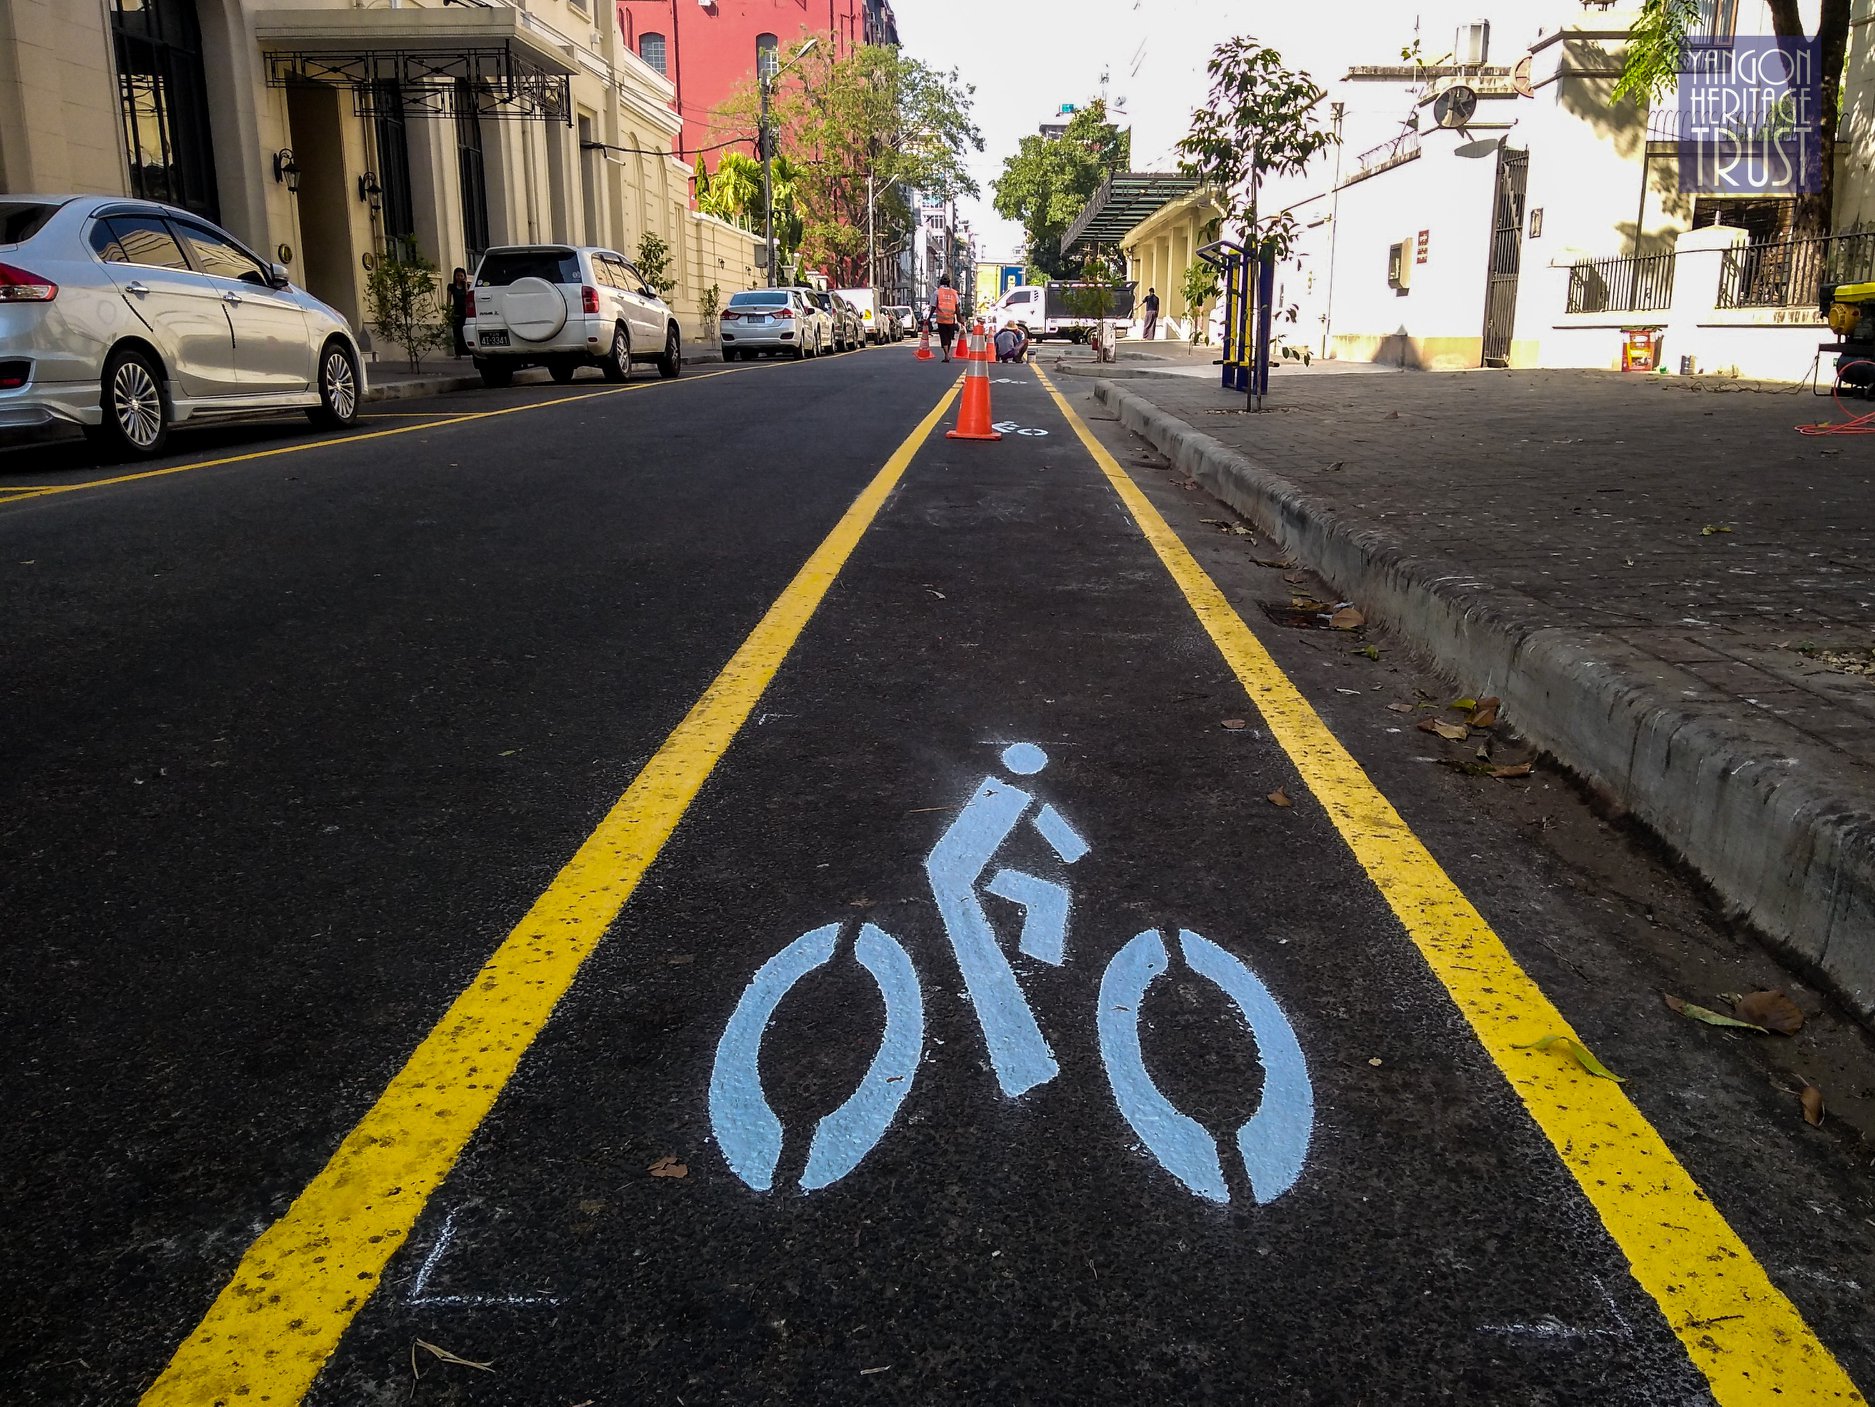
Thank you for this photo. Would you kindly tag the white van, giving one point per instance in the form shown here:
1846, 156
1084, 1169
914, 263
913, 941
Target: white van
866, 300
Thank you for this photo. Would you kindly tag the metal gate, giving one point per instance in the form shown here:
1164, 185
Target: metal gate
1500, 284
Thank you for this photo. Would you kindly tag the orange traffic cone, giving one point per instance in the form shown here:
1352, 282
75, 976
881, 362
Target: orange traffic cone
924, 339
973, 416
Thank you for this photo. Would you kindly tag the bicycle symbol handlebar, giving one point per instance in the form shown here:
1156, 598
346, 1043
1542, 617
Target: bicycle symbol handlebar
1272, 1143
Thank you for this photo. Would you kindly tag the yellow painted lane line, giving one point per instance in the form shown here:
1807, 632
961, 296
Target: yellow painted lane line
442, 420
1736, 1326
276, 1322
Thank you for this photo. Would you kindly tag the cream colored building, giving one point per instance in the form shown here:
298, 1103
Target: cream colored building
1163, 246
321, 131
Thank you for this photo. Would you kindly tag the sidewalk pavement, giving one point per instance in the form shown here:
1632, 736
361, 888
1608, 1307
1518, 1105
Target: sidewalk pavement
1668, 586
393, 380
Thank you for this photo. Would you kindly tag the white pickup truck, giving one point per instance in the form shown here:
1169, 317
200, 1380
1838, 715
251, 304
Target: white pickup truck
1046, 310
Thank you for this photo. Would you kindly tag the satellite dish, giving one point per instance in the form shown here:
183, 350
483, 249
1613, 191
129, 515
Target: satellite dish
1455, 106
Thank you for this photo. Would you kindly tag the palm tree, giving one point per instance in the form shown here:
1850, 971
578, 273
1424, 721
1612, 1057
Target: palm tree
735, 191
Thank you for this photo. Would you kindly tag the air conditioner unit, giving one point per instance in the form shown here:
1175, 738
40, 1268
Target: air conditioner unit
1473, 44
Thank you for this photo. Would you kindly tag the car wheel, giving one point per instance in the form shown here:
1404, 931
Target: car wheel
496, 374
136, 421
618, 362
799, 351
562, 372
672, 362
338, 389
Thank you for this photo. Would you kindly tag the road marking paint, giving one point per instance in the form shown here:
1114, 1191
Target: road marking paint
1737, 1327
420, 1296
443, 421
279, 1318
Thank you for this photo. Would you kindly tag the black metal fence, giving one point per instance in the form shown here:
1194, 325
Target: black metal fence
1791, 273
1642, 284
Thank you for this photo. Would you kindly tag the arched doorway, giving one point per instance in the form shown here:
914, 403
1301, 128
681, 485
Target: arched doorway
163, 96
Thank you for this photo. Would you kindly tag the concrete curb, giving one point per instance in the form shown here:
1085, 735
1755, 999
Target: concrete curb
411, 387
1772, 821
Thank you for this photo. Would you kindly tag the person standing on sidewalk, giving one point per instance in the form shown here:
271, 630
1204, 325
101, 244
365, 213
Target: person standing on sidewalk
459, 309
1151, 328
944, 314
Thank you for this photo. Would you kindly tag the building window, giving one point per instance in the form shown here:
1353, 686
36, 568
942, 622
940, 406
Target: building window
472, 167
651, 50
1717, 22
163, 93
399, 212
767, 55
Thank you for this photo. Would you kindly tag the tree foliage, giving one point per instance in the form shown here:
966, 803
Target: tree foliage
876, 113
654, 262
1049, 181
401, 302
1259, 120
1655, 57
1200, 290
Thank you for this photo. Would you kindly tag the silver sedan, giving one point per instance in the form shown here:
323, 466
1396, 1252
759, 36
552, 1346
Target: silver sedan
124, 317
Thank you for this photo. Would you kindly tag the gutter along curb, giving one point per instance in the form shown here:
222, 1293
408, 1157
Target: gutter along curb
1782, 828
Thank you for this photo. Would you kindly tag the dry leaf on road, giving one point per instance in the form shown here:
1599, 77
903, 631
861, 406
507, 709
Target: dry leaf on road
1279, 797
1347, 618
1399, 708
1236, 725
1708, 1015
1515, 769
1582, 1055
1772, 1010
446, 1356
668, 1166
1812, 1098
1485, 714
1455, 732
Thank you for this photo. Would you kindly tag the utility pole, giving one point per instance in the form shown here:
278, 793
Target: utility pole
872, 248
765, 81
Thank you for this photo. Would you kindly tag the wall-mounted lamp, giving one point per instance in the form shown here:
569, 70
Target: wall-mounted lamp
370, 191
285, 169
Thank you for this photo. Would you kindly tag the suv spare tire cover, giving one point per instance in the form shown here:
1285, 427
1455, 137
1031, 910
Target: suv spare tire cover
533, 308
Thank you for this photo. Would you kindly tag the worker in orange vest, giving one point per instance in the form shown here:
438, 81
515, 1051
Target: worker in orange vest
944, 314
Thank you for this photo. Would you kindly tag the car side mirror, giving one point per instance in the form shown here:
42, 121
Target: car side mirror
646, 293
277, 276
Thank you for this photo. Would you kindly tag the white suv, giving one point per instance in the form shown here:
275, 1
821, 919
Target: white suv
563, 307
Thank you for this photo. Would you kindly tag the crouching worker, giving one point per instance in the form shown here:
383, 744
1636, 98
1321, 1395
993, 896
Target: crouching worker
1012, 344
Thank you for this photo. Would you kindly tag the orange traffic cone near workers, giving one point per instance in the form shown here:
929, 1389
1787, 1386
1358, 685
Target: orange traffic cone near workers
973, 415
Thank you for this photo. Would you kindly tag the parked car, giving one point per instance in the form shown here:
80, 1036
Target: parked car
125, 317
774, 322
905, 319
564, 307
845, 324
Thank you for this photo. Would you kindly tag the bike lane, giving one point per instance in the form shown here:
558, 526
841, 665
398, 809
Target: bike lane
1003, 700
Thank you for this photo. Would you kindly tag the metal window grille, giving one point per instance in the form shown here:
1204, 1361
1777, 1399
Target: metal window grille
651, 50
163, 99
1791, 273
1631, 285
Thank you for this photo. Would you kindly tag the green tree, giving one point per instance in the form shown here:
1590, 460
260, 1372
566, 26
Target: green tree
874, 122
1049, 181
654, 262
734, 193
1655, 58
400, 300
1260, 119
1200, 290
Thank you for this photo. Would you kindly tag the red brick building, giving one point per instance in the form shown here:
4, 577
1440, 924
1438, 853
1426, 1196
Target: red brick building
707, 47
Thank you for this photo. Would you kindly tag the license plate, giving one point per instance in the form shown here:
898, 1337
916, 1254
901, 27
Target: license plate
756, 320
494, 339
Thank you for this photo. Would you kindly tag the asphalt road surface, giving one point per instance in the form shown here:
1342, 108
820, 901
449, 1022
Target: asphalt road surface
713, 892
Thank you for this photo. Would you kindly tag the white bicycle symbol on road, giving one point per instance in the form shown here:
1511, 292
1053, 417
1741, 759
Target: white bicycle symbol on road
1272, 1143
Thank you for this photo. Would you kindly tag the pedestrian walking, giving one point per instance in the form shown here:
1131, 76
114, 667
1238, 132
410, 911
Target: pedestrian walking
944, 314
1151, 328
459, 309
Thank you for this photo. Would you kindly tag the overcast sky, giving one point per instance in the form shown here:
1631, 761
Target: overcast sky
1027, 57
